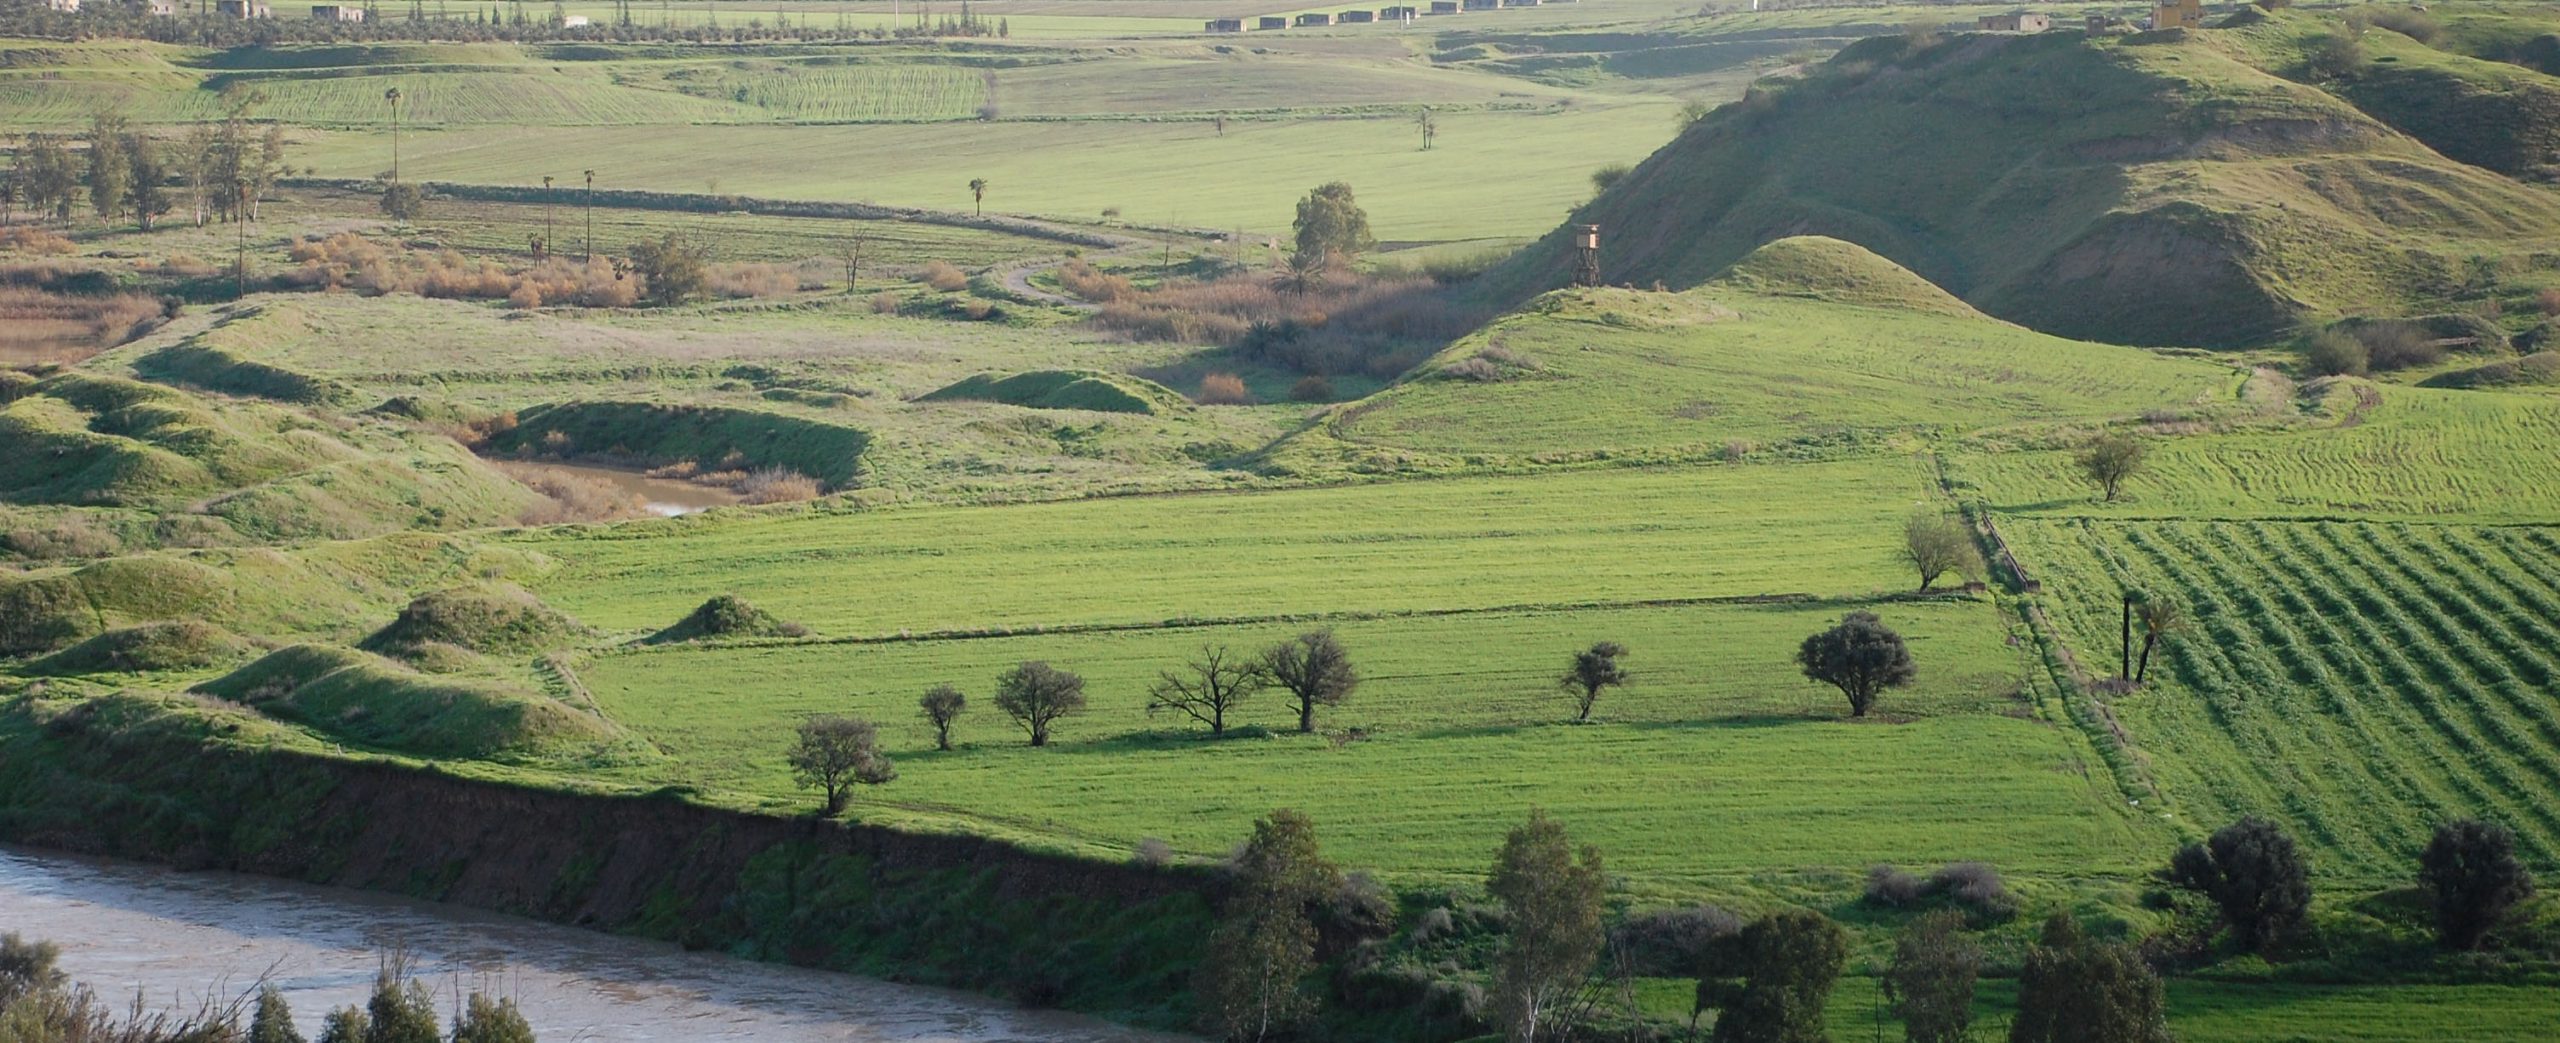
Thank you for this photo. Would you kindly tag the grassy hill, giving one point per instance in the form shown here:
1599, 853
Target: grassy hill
2159, 188
1807, 343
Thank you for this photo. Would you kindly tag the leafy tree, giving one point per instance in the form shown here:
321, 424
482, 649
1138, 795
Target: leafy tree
148, 173
2160, 618
344, 1025
978, 192
1330, 225
1252, 984
1036, 694
1772, 981
2073, 990
27, 965
47, 178
2254, 874
1206, 688
942, 705
2472, 879
1313, 668
1935, 544
273, 1020
674, 268
1930, 982
491, 1021
836, 754
1862, 657
110, 171
402, 201
1555, 935
401, 1010
1593, 669
2111, 458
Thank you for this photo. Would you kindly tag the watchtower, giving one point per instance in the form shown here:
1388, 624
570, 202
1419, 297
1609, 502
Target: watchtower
1586, 255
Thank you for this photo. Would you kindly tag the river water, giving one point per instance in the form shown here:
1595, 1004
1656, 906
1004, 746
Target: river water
664, 497
181, 938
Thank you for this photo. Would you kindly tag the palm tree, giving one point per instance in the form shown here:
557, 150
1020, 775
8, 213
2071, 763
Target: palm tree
392, 96
546, 215
978, 191
2160, 618
589, 247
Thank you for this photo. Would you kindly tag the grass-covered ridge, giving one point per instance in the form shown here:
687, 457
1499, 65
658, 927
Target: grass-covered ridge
1064, 389
2178, 191
711, 437
373, 701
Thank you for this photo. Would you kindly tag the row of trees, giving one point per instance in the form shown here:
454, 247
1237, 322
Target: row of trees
2259, 884
38, 1002
221, 170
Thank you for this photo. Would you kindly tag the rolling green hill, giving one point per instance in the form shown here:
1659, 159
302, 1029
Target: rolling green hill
2159, 188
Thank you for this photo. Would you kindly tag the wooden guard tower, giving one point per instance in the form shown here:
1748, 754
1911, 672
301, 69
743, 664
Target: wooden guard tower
1586, 255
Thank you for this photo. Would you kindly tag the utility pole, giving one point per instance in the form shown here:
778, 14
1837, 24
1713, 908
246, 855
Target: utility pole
393, 97
240, 261
546, 215
589, 248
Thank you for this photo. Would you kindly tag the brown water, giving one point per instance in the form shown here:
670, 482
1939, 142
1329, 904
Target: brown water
666, 497
178, 937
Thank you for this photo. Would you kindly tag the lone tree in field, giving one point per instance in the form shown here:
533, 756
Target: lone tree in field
1930, 982
1253, 983
2254, 874
1314, 670
836, 754
1555, 935
1331, 227
1206, 688
978, 194
673, 267
2073, 990
942, 705
1935, 544
2160, 618
1036, 694
1772, 981
1862, 657
2111, 458
2472, 880
1593, 669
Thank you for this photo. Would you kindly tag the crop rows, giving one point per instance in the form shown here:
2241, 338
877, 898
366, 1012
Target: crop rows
2358, 681
842, 93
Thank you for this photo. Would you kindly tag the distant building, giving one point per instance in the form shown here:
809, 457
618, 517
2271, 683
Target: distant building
1224, 25
336, 13
1520, 3
2015, 22
1314, 19
1355, 17
1397, 14
242, 9
575, 21
2178, 14
1445, 7
165, 8
64, 6
1272, 21
1479, 5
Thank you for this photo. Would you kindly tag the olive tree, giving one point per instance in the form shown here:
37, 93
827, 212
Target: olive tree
941, 706
1207, 688
1935, 544
2254, 874
1930, 982
1771, 983
2472, 880
1593, 669
1862, 657
1036, 695
1315, 670
2073, 990
2111, 458
836, 754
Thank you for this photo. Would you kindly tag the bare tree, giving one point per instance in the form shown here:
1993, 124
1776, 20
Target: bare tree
1593, 669
1315, 671
1209, 686
836, 754
942, 705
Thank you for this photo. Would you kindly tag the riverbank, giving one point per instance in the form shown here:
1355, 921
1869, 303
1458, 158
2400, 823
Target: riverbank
203, 788
176, 939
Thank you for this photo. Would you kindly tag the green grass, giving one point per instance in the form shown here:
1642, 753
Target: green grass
1598, 536
481, 228
369, 700
2358, 682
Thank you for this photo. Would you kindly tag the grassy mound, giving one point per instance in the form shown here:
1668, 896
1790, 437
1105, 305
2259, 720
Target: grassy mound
2183, 191
725, 616
373, 701
1827, 269
43, 611
2541, 369
1064, 389
182, 644
213, 369
494, 620
713, 437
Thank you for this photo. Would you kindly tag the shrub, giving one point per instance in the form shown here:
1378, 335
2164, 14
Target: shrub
1978, 888
2334, 56
526, 297
884, 303
2472, 880
1606, 177
1313, 388
943, 276
2414, 24
2396, 344
777, 485
1671, 943
1893, 888
1152, 852
1358, 910
1223, 389
1433, 925
2547, 301
1084, 280
2334, 354
32, 240
2255, 874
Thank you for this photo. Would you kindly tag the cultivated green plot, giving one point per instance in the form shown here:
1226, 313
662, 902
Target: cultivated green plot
2420, 453
484, 227
1460, 735
1599, 536
2359, 682
821, 92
